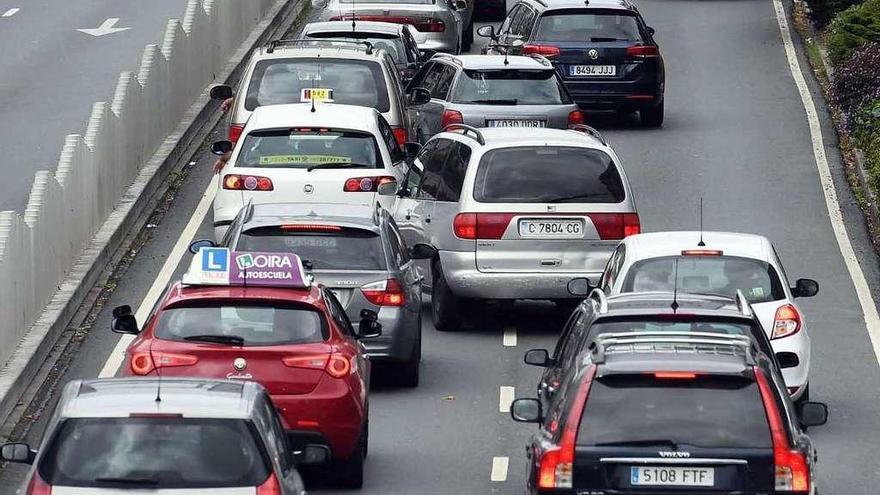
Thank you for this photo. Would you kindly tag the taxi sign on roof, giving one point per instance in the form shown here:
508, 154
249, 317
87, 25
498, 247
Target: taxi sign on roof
220, 266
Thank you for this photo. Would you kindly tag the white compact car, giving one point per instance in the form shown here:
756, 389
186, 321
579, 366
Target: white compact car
720, 263
326, 153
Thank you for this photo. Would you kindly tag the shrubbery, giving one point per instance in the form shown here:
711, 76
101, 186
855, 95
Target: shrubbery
857, 81
825, 10
852, 28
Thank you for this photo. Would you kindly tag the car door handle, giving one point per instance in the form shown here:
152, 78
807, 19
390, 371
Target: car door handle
551, 262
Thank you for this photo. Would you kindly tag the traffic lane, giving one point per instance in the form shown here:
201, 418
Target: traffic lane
52, 74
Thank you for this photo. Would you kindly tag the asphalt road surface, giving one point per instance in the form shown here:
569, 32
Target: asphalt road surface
51, 74
735, 135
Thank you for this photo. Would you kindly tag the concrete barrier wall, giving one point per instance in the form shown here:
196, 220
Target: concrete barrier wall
67, 207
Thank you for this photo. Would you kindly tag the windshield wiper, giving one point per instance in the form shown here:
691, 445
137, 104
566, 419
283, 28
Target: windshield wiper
639, 443
336, 165
217, 339
600, 39
510, 101
147, 481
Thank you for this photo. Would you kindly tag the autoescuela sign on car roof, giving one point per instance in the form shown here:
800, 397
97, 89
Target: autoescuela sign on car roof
220, 266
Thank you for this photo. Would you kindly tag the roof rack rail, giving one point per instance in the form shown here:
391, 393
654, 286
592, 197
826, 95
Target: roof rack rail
743, 304
673, 342
599, 296
448, 56
477, 135
589, 130
272, 45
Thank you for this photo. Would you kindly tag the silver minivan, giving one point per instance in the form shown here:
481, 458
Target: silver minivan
514, 213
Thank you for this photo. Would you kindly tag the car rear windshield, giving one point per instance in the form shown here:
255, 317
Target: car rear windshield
391, 43
721, 275
255, 324
345, 249
354, 82
306, 148
582, 25
510, 87
707, 411
545, 174
155, 453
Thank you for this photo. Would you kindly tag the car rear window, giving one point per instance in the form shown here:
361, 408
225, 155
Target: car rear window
510, 87
581, 25
721, 275
545, 174
707, 411
390, 43
307, 148
256, 324
345, 249
354, 82
155, 453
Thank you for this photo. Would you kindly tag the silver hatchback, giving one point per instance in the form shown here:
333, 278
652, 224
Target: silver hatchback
513, 213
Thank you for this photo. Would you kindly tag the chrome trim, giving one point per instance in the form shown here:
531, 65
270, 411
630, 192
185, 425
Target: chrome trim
667, 460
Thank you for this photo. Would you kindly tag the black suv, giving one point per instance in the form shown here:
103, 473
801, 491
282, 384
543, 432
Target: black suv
603, 50
646, 412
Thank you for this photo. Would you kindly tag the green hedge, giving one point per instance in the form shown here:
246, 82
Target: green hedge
853, 28
825, 10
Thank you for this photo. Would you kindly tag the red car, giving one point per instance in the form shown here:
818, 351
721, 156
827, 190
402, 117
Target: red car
256, 316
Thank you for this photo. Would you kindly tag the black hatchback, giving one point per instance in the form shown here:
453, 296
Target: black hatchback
602, 49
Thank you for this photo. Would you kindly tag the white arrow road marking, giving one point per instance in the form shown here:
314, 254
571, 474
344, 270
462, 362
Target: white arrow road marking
105, 28
11, 12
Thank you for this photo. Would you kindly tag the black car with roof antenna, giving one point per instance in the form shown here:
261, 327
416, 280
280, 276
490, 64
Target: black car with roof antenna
603, 50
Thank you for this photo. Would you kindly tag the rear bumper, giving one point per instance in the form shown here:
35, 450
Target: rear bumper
615, 95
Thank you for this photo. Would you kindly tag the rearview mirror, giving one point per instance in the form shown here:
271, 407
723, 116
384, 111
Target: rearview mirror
312, 455
419, 96
221, 92
387, 188
124, 321
805, 287
579, 287
487, 31
220, 148
812, 414
17, 452
527, 411
369, 327
538, 357
201, 243
422, 251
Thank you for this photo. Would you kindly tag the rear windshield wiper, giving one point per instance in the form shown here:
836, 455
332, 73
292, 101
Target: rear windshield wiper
639, 443
336, 165
579, 196
511, 101
147, 481
600, 39
217, 339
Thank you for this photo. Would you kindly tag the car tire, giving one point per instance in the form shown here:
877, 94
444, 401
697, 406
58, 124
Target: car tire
467, 37
446, 308
652, 117
408, 371
351, 470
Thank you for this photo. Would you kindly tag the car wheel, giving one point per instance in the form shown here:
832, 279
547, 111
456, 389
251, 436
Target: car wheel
408, 372
652, 117
351, 470
467, 37
446, 308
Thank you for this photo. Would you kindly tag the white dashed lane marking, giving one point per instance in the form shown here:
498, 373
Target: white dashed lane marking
505, 399
499, 468
11, 12
509, 338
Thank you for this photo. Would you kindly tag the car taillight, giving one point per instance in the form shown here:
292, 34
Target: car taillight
643, 51
616, 225
385, 293
544, 50
336, 365
235, 131
366, 184
310, 227
557, 464
400, 135
786, 322
576, 118
247, 183
791, 467
451, 117
143, 363
430, 26
36, 486
270, 487
481, 225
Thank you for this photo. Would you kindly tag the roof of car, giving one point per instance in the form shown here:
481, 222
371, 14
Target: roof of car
497, 61
581, 4
120, 397
660, 303
180, 293
659, 244
272, 214
635, 354
530, 136
333, 115
360, 26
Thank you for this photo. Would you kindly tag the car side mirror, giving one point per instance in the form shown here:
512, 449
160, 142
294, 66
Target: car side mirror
419, 96
221, 92
538, 357
487, 31
411, 149
650, 30
201, 243
460, 5
421, 251
17, 452
124, 321
220, 148
812, 414
387, 188
580, 287
369, 326
805, 287
312, 455
527, 411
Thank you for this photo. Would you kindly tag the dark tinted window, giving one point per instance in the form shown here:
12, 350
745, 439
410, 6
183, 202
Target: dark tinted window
354, 82
587, 26
722, 275
258, 325
438, 80
345, 249
304, 149
157, 452
394, 150
452, 176
510, 87
338, 313
719, 411
547, 175
524, 23
389, 42
433, 158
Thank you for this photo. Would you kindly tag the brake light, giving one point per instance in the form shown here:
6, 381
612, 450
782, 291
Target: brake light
674, 375
430, 26
336, 365
481, 225
400, 135
385, 293
247, 183
366, 184
451, 117
143, 363
270, 487
543, 50
616, 225
786, 322
557, 463
37, 486
235, 131
702, 252
792, 469
311, 227
576, 118
643, 51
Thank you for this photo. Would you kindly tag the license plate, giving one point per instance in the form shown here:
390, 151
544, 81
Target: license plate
516, 123
671, 476
593, 70
551, 228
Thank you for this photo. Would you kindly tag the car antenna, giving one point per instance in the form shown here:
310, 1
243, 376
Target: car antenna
158, 374
506, 62
674, 304
701, 243
312, 96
